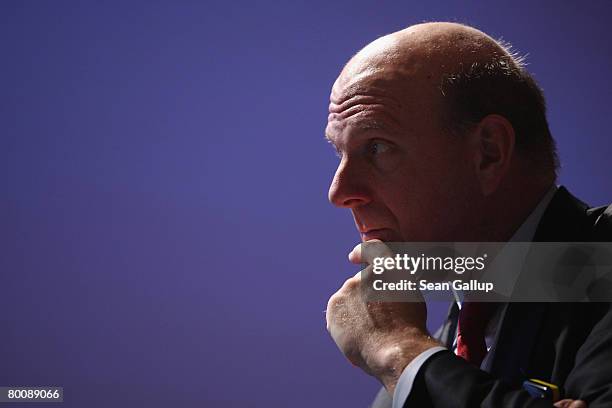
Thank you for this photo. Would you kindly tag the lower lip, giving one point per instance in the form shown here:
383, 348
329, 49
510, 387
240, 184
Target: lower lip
382, 234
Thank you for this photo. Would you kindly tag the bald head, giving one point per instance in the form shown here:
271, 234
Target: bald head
445, 46
424, 52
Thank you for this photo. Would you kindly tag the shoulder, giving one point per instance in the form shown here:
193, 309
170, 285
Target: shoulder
568, 219
601, 221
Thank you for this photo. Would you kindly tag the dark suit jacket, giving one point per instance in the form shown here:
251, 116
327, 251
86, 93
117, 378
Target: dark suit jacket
568, 344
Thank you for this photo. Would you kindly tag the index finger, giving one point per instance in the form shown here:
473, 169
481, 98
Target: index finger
365, 252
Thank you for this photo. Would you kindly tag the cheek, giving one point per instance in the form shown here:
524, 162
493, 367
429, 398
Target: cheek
428, 201
389, 163
412, 203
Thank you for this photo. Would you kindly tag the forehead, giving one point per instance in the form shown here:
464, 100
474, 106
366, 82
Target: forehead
373, 96
369, 72
364, 110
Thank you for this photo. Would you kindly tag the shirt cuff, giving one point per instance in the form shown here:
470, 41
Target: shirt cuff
404, 384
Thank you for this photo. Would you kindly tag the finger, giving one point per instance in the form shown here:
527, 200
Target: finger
569, 403
334, 303
355, 255
367, 251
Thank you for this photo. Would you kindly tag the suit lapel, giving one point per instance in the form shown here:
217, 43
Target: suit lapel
517, 335
446, 333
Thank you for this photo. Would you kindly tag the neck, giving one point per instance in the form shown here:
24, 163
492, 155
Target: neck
508, 208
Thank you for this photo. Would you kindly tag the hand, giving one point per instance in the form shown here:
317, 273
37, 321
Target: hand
568, 403
381, 338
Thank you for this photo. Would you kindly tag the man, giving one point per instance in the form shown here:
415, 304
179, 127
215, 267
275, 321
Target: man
442, 136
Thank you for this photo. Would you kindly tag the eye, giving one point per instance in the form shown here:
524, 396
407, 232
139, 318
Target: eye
383, 156
378, 148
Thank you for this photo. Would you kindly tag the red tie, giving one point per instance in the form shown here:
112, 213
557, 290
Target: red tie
473, 320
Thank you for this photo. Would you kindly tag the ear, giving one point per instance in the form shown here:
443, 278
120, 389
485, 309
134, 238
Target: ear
493, 143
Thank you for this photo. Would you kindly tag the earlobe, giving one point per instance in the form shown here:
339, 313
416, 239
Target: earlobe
494, 141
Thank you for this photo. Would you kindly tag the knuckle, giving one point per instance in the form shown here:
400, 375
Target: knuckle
351, 283
336, 300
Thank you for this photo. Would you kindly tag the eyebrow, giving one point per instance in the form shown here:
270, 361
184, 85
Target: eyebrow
362, 127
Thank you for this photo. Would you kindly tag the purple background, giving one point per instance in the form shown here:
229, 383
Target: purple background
166, 238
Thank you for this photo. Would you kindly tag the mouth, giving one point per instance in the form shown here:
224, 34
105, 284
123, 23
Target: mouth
383, 234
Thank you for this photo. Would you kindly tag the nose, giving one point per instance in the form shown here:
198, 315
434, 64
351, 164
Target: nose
348, 188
